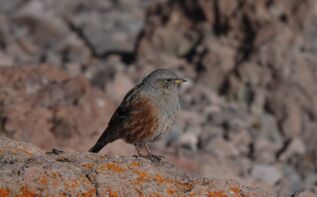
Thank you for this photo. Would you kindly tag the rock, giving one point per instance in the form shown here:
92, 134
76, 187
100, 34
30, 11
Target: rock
5, 60
34, 172
7, 7
222, 148
57, 33
45, 28
119, 86
296, 147
266, 173
188, 140
38, 34
264, 151
218, 61
107, 27
209, 133
268, 140
241, 140
40, 104
293, 183
101, 73
189, 119
292, 125
304, 194
213, 166
309, 182
269, 129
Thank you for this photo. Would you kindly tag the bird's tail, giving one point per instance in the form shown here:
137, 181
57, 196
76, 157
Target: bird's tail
103, 140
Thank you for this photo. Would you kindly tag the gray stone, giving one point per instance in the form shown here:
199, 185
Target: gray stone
292, 182
267, 139
222, 148
266, 173
296, 147
188, 140
113, 30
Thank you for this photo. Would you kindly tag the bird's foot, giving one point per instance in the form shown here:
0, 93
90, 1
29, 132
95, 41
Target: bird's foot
154, 158
54, 152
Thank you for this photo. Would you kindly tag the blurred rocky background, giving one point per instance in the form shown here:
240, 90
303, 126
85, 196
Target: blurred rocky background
249, 108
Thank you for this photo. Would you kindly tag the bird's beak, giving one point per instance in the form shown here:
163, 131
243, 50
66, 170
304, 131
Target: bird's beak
179, 81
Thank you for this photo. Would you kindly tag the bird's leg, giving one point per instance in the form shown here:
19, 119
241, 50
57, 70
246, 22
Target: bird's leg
148, 152
137, 149
152, 157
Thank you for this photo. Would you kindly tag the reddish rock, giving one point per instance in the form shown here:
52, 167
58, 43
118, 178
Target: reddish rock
26, 170
45, 106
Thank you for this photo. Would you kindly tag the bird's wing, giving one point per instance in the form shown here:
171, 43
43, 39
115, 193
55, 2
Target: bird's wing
135, 118
123, 112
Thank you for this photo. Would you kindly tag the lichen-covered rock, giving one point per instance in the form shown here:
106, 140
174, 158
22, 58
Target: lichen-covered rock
28, 171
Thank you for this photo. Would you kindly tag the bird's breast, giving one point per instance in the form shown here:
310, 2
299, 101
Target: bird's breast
167, 116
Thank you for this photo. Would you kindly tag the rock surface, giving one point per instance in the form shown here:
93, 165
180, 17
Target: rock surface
29, 171
45, 106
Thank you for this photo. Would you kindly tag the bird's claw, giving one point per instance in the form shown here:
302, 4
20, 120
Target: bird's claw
154, 158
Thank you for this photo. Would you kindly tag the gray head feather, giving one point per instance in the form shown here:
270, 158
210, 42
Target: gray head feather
161, 81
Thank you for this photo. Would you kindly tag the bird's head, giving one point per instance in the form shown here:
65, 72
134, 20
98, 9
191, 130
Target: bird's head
164, 80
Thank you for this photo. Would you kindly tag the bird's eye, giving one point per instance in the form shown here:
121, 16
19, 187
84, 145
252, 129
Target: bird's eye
168, 80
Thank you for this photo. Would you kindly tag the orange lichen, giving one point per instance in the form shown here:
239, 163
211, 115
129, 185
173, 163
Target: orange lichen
72, 185
142, 176
171, 191
154, 194
217, 194
4, 192
25, 192
102, 167
140, 192
112, 167
159, 178
88, 165
182, 186
115, 168
16, 150
43, 180
112, 193
192, 194
176, 184
55, 179
62, 194
236, 191
90, 193
86, 180
134, 164
56, 174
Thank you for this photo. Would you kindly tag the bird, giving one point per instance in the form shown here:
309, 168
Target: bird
146, 113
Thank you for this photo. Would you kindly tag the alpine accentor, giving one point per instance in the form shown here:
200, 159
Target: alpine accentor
146, 112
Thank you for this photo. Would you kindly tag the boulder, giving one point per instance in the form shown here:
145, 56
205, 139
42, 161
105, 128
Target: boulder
26, 170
